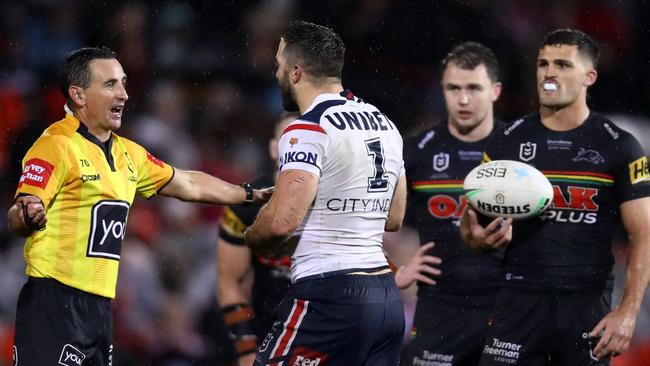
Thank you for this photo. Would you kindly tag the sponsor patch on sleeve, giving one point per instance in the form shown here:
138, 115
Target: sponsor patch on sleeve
154, 159
37, 173
639, 170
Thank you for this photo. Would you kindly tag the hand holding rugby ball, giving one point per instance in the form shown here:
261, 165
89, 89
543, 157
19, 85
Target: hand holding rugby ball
508, 188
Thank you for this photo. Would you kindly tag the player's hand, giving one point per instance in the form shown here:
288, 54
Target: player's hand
247, 359
33, 212
262, 195
418, 268
495, 236
616, 328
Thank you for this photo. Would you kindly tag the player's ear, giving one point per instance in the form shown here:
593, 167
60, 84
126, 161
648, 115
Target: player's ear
496, 91
592, 75
77, 95
296, 73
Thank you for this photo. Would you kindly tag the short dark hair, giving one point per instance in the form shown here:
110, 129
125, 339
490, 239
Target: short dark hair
469, 55
317, 48
586, 46
74, 69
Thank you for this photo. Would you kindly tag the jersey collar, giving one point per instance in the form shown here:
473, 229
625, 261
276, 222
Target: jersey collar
344, 95
106, 147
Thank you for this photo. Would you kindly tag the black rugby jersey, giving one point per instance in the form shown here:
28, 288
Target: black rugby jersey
593, 169
272, 274
436, 165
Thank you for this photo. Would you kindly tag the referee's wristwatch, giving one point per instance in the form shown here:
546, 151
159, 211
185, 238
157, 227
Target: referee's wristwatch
249, 194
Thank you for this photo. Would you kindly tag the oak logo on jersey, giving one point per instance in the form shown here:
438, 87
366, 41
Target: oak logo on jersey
70, 356
293, 141
590, 156
37, 173
527, 151
578, 205
442, 206
107, 230
638, 170
440, 162
307, 357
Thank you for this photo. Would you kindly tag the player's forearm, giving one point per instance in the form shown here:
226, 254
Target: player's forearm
268, 232
229, 292
638, 273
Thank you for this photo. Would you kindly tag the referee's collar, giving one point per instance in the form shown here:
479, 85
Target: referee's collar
105, 146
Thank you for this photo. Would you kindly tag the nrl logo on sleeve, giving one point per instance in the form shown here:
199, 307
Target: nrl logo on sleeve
37, 173
639, 170
108, 227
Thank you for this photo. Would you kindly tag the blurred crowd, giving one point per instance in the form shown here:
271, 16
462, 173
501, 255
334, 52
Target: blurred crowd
203, 96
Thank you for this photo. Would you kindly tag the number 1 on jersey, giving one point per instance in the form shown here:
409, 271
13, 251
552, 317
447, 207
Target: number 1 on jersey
378, 181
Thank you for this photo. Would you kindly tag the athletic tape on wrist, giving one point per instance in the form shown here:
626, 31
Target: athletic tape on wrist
239, 321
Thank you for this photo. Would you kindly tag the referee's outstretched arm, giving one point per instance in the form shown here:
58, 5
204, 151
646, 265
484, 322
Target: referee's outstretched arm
195, 186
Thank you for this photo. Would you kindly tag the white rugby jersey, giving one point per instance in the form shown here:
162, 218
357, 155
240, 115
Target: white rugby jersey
357, 153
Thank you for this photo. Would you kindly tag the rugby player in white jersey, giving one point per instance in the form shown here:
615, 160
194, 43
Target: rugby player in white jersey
340, 185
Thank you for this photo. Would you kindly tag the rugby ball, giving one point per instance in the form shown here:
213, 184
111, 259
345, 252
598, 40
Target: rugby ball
508, 188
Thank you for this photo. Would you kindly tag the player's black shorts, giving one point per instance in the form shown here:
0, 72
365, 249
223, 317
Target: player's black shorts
543, 328
59, 325
336, 321
448, 330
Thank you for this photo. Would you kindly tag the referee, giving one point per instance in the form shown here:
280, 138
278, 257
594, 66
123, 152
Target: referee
78, 182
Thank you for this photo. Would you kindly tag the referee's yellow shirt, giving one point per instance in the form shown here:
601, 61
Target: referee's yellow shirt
87, 188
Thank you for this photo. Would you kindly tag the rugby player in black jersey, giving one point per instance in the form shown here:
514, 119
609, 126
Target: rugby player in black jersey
248, 320
555, 306
456, 286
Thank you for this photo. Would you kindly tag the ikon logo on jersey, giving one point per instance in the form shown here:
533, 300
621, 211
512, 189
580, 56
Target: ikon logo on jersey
306, 357
299, 156
71, 356
108, 227
37, 173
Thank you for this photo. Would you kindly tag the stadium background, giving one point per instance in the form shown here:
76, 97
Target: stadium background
203, 96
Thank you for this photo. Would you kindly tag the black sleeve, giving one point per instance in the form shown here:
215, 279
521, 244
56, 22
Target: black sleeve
631, 177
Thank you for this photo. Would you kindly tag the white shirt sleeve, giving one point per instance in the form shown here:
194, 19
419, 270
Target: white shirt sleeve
303, 146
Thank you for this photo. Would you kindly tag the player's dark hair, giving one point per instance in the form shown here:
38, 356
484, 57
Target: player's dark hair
469, 55
74, 69
318, 49
573, 37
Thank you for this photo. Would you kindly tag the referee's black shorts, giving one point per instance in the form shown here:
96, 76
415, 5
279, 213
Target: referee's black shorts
59, 325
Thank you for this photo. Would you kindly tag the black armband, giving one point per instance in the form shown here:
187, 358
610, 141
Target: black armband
239, 321
249, 194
